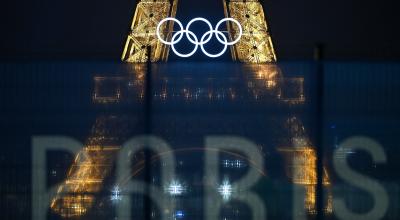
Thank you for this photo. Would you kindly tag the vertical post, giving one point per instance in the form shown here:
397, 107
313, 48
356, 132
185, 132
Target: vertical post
320, 78
148, 124
148, 92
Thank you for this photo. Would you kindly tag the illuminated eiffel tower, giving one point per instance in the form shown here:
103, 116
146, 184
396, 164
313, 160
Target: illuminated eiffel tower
255, 47
85, 178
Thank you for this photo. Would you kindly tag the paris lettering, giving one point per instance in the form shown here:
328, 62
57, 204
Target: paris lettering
43, 196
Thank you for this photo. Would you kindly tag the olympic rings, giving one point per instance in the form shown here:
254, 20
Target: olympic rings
177, 37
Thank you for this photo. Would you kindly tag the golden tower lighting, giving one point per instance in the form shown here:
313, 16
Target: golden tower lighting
255, 45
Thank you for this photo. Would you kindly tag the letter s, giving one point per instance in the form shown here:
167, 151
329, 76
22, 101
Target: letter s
345, 172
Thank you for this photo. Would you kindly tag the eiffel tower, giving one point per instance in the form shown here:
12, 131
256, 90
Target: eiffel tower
92, 166
255, 47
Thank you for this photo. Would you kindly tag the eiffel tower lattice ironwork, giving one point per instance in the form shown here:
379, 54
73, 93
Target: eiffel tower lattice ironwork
255, 45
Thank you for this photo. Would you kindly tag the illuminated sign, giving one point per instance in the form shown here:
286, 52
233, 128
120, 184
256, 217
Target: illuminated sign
177, 37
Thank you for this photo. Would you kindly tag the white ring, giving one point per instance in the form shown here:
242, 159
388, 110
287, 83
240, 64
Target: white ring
198, 19
195, 48
234, 21
158, 31
214, 55
177, 37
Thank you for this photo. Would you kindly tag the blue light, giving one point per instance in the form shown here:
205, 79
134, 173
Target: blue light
179, 214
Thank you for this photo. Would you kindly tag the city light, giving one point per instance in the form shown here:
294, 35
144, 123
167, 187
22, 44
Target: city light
225, 190
175, 188
233, 164
116, 194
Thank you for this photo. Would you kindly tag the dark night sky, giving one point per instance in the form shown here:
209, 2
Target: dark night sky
96, 29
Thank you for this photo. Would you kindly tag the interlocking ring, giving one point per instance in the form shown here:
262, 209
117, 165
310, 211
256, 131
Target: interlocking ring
177, 37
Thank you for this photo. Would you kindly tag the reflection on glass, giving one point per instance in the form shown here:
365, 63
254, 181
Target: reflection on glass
252, 84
